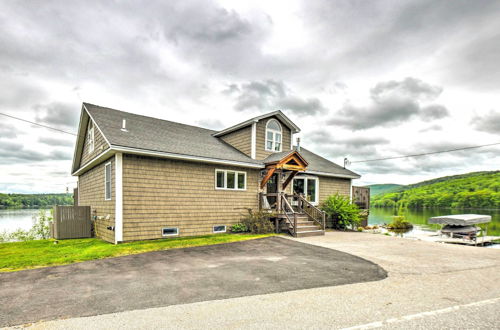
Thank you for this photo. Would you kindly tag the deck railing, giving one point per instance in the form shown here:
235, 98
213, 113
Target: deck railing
288, 206
314, 213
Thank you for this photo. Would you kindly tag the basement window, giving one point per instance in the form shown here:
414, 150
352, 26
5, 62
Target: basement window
219, 229
171, 231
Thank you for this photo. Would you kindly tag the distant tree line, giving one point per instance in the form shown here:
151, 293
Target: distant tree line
473, 190
34, 200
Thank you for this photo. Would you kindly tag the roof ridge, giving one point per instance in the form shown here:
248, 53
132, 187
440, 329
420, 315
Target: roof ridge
150, 117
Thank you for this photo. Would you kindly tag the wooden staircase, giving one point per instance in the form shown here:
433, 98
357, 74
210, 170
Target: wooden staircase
307, 227
303, 220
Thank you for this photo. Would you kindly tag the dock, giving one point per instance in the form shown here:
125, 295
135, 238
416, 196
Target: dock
480, 240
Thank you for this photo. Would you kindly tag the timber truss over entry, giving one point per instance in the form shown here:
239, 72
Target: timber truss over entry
290, 161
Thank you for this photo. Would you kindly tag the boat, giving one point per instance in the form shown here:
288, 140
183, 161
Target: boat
462, 227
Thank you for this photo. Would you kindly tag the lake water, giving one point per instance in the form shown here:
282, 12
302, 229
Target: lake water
419, 218
10, 220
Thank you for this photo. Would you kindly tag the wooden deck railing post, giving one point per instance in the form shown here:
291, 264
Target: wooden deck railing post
294, 224
324, 221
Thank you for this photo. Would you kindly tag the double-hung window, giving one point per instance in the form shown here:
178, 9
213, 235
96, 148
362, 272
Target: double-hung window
231, 180
107, 181
90, 137
273, 135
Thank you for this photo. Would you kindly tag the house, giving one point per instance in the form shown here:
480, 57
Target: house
147, 178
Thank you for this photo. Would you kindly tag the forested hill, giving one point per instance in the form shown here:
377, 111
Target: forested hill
471, 190
34, 200
377, 189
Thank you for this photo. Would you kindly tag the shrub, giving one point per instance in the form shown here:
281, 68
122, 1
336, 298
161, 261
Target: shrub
258, 222
360, 228
399, 222
239, 228
342, 211
39, 230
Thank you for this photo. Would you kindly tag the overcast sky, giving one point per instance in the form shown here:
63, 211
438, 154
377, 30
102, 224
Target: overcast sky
362, 79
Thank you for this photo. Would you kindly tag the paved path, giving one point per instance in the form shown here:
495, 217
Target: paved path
175, 277
428, 285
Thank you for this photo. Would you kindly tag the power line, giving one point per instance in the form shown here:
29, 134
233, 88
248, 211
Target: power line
41, 125
425, 154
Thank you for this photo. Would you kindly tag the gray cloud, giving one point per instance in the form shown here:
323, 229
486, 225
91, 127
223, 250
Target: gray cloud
489, 123
359, 147
431, 128
272, 95
51, 141
214, 124
392, 102
7, 130
58, 114
16, 153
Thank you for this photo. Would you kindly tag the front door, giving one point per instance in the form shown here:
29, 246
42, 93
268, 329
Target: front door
272, 187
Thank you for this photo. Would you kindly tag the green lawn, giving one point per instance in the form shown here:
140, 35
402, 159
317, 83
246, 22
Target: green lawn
43, 253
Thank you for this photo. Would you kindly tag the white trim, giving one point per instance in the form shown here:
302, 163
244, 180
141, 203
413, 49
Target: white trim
78, 190
118, 197
277, 113
184, 157
236, 173
166, 235
274, 132
90, 138
350, 190
95, 125
254, 141
110, 181
291, 141
343, 176
95, 160
221, 231
306, 177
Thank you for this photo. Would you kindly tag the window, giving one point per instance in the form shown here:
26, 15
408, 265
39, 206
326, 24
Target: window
172, 231
273, 135
219, 229
90, 137
231, 180
308, 186
107, 181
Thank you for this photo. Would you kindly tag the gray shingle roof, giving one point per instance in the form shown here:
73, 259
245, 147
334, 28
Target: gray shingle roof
320, 164
154, 134
162, 135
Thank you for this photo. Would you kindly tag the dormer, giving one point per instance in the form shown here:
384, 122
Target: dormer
261, 136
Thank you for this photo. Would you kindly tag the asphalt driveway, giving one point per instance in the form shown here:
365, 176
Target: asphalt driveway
179, 276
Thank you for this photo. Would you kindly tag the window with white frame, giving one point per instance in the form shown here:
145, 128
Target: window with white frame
107, 181
219, 229
231, 180
307, 186
90, 137
273, 135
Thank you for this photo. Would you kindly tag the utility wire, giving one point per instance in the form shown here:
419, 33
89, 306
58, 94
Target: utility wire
352, 162
425, 154
41, 125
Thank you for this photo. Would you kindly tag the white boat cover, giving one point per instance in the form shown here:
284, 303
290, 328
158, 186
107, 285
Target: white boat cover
461, 219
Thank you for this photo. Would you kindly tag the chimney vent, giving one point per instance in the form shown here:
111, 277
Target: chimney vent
298, 144
124, 126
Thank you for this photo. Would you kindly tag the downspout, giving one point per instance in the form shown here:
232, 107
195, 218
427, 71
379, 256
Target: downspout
118, 197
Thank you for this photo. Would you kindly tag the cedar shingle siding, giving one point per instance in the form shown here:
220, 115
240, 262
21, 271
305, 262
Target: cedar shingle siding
261, 152
160, 193
240, 139
100, 145
91, 192
330, 186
